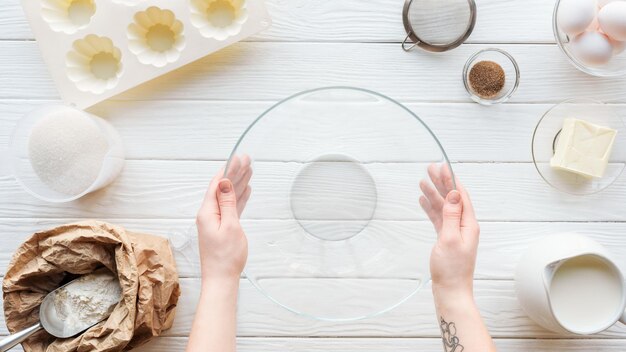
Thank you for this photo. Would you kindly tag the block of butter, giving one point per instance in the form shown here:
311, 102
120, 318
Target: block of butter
583, 148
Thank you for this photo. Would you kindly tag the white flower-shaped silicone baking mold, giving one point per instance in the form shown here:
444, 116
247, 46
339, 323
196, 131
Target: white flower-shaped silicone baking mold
67, 16
156, 37
94, 64
219, 19
96, 49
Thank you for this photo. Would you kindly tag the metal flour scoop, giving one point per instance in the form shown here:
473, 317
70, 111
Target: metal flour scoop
54, 319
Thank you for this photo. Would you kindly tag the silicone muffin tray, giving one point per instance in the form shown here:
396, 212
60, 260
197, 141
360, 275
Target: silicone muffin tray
96, 49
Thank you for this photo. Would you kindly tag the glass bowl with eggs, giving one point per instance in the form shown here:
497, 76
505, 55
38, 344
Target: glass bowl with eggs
592, 34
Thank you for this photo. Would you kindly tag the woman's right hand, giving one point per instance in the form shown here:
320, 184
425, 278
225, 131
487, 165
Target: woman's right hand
222, 241
453, 257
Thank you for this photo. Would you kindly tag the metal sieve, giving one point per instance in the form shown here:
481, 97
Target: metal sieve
437, 25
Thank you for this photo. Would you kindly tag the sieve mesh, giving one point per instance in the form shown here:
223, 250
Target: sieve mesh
438, 25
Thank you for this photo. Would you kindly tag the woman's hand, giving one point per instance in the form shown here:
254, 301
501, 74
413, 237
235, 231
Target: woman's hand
223, 244
453, 257
223, 255
452, 262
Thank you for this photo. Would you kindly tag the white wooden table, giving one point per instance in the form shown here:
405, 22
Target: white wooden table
179, 129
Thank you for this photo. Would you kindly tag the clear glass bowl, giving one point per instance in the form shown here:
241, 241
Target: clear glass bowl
546, 135
614, 68
334, 224
511, 72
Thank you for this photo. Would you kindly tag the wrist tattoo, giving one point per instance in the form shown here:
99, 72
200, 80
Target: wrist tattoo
448, 336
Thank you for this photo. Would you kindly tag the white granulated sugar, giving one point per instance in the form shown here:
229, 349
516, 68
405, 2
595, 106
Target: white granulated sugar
66, 150
87, 300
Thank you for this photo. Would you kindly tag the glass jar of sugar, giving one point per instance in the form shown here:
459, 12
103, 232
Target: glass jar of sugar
58, 153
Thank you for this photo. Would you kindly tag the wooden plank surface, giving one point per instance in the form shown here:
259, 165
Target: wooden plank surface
179, 129
303, 344
273, 71
200, 130
350, 21
501, 244
258, 316
396, 345
174, 189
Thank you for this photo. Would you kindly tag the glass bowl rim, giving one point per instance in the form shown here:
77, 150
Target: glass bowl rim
356, 89
252, 280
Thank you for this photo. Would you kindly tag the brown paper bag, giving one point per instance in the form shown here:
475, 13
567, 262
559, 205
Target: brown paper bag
144, 265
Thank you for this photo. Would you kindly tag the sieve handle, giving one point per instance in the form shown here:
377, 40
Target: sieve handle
7, 343
5, 163
406, 41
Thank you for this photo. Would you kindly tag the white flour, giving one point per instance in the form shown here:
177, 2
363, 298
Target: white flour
66, 150
87, 300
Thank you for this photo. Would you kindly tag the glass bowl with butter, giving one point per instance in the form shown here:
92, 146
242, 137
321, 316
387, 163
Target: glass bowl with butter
579, 146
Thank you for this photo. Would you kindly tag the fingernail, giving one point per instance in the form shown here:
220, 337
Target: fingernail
454, 197
225, 186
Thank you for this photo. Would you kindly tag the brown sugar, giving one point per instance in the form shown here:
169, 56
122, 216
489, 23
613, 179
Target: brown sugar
487, 78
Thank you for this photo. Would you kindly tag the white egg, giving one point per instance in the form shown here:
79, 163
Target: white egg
618, 47
612, 19
574, 16
594, 25
593, 48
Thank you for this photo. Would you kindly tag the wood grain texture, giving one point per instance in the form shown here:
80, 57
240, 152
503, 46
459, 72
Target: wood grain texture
258, 316
178, 129
396, 345
501, 244
303, 344
174, 189
199, 130
273, 71
350, 21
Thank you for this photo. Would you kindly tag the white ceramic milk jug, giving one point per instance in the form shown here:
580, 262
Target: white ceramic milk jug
568, 283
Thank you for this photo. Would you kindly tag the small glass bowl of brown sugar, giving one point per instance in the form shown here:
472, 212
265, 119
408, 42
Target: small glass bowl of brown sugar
491, 76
